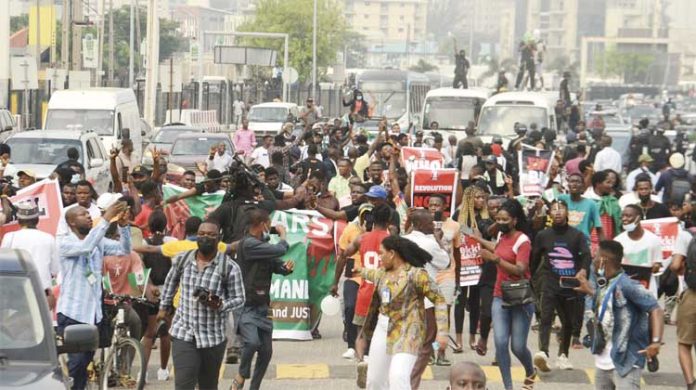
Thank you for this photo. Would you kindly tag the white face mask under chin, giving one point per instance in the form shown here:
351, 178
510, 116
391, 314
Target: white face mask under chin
630, 227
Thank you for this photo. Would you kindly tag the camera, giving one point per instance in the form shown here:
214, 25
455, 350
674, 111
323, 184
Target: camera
202, 294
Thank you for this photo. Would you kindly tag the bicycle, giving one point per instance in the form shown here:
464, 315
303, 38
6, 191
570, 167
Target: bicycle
121, 365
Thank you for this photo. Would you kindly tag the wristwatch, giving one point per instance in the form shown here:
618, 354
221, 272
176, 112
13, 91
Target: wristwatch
656, 340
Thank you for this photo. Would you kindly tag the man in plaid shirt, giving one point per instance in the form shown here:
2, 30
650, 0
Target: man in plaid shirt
211, 286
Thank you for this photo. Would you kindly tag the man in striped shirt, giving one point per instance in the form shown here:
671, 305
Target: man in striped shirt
211, 287
81, 254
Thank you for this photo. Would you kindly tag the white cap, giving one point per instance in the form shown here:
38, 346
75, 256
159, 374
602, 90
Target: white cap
107, 199
676, 160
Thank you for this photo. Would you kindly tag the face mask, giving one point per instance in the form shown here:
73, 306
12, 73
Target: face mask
206, 245
359, 98
138, 185
84, 230
75, 178
630, 227
505, 229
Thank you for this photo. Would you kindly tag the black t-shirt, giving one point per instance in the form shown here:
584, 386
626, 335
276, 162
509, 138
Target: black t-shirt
351, 211
158, 263
232, 217
558, 252
658, 210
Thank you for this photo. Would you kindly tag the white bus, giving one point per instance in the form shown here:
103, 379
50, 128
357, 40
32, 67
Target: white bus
452, 109
500, 113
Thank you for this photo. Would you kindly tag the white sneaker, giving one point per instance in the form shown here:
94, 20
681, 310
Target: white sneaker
349, 354
162, 374
541, 361
564, 363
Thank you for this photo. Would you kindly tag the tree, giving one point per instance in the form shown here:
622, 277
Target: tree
18, 22
562, 64
295, 18
630, 67
508, 65
423, 66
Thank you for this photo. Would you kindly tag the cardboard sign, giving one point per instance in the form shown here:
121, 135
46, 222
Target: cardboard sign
471, 261
46, 195
421, 158
427, 182
665, 228
534, 170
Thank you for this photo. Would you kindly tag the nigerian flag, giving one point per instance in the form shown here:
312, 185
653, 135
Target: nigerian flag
197, 206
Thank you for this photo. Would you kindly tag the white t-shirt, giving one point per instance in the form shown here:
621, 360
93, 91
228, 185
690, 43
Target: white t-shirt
603, 360
42, 248
643, 253
221, 163
63, 227
260, 156
632, 198
608, 158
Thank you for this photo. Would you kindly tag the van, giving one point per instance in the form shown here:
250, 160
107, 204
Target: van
268, 118
500, 113
112, 113
452, 109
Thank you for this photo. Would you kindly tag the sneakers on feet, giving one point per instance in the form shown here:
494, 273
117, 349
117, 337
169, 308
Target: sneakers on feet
442, 361
564, 363
541, 361
362, 375
349, 354
162, 374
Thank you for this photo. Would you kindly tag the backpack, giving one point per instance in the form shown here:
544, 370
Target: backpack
690, 265
681, 185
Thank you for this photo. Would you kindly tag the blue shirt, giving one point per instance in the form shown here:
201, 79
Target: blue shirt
582, 215
79, 298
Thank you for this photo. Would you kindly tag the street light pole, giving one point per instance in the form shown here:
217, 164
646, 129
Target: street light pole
314, 50
131, 46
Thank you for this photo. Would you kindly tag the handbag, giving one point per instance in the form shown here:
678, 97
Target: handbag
516, 292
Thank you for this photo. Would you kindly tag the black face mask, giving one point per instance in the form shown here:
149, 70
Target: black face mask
84, 230
206, 245
138, 185
505, 229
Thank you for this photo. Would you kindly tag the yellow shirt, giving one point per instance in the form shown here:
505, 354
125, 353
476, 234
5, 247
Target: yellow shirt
350, 233
361, 164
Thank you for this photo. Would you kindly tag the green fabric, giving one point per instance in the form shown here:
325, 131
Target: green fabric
610, 205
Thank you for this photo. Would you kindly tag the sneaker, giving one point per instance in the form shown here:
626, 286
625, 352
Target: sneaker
349, 354
541, 361
564, 363
442, 361
362, 375
162, 374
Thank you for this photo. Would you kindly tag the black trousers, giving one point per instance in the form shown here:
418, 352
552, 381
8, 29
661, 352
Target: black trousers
467, 299
196, 365
460, 81
520, 75
566, 308
350, 296
485, 310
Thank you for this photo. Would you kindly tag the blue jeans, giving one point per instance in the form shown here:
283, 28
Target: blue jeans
77, 362
512, 324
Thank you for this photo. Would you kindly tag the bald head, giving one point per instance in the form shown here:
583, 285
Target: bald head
79, 220
467, 376
422, 220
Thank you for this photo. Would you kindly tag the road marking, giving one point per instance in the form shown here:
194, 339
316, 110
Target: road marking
590, 374
427, 374
302, 371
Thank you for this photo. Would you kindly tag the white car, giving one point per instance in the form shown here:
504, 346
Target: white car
268, 118
42, 150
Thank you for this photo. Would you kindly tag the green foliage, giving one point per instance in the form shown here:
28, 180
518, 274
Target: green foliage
630, 67
508, 65
18, 22
295, 18
423, 66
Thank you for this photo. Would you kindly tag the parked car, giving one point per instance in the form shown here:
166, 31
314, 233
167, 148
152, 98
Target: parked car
164, 138
42, 150
8, 126
28, 347
188, 149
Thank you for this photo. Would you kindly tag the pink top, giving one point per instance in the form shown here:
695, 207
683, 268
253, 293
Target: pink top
573, 166
244, 141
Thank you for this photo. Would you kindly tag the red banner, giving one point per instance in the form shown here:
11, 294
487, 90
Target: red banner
665, 228
471, 262
46, 194
427, 182
534, 170
421, 158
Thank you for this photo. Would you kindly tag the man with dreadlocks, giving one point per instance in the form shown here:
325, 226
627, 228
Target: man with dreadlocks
472, 215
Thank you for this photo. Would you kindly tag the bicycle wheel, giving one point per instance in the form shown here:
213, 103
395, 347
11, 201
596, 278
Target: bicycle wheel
125, 366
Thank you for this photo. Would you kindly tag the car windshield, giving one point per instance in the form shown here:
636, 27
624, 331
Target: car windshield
638, 112
389, 104
268, 114
196, 146
42, 150
22, 331
500, 120
450, 113
101, 121
167, 136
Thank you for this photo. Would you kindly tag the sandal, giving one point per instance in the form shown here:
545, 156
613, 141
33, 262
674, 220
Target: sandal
481, 349
236, 385
530, 381
456, 348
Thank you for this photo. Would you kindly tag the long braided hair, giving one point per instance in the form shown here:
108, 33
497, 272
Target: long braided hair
467, 211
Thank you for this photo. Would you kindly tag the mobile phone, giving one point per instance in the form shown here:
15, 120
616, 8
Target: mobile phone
273, 230
569, 282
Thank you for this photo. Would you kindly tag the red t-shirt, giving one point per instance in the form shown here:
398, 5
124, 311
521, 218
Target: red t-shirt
513, 249
142, 218
369, 253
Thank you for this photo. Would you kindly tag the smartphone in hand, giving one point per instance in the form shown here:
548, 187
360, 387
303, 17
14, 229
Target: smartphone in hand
569, 282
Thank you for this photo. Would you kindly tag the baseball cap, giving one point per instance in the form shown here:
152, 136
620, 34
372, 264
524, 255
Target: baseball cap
676, 160
377, 192
140, 170
645, 158
107, 199
27, 210
27, 172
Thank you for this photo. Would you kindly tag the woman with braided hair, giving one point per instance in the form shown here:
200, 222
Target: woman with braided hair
472, 215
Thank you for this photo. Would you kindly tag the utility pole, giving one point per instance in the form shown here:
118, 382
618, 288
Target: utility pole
76, 35
131, 46
314, 51
111, 43
4, 52
38, 35
65, 40
152, 69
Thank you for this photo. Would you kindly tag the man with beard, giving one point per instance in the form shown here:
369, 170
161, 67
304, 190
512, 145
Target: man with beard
68, 194
350, 212
651, 209
85, 196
